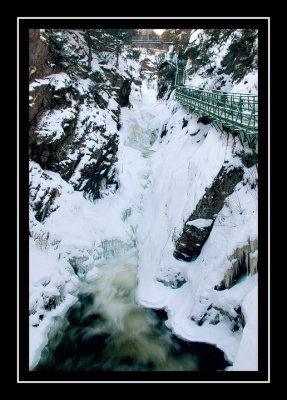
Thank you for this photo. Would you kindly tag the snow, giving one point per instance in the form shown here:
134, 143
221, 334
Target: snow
181, 169
200, 223
58, 81
249, 83
247, 356
161, 181
195, 35
51, 123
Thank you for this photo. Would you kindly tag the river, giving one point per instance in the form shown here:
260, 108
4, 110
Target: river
106, 329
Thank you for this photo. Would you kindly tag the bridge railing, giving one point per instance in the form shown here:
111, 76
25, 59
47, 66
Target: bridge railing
235, 110
159, 42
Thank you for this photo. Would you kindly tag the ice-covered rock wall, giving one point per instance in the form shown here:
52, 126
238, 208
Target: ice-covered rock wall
198, 232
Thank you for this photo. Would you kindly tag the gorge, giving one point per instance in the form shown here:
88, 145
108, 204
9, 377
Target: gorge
143, 216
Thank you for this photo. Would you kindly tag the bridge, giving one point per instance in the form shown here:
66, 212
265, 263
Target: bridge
236, 111
239, 112
158, 42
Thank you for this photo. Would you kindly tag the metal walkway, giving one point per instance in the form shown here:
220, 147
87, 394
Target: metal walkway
237, 111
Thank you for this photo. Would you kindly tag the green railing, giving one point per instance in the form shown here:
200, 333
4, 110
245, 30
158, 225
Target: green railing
237, 111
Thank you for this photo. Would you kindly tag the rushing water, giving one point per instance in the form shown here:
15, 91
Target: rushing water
106, 330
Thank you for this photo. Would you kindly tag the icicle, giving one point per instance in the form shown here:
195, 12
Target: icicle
243, 260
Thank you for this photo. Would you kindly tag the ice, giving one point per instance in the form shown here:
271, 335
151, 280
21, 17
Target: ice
114, 248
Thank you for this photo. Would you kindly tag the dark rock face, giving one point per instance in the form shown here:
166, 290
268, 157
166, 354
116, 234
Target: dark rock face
102, 173
125, 93
166, 80
38, 106
42, 197
39, 56
121, 86
247, 159
189, 244
52, 302
49, 152
204, 120
43, 208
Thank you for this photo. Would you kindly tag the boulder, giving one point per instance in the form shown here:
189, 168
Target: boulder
198, 226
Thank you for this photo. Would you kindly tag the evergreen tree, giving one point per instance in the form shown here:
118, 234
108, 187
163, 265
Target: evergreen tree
169, 35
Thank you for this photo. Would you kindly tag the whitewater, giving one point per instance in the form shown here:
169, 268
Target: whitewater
123, 245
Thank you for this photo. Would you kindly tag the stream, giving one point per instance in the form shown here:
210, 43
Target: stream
106, 330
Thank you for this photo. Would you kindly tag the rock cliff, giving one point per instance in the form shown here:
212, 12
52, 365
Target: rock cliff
72, 129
